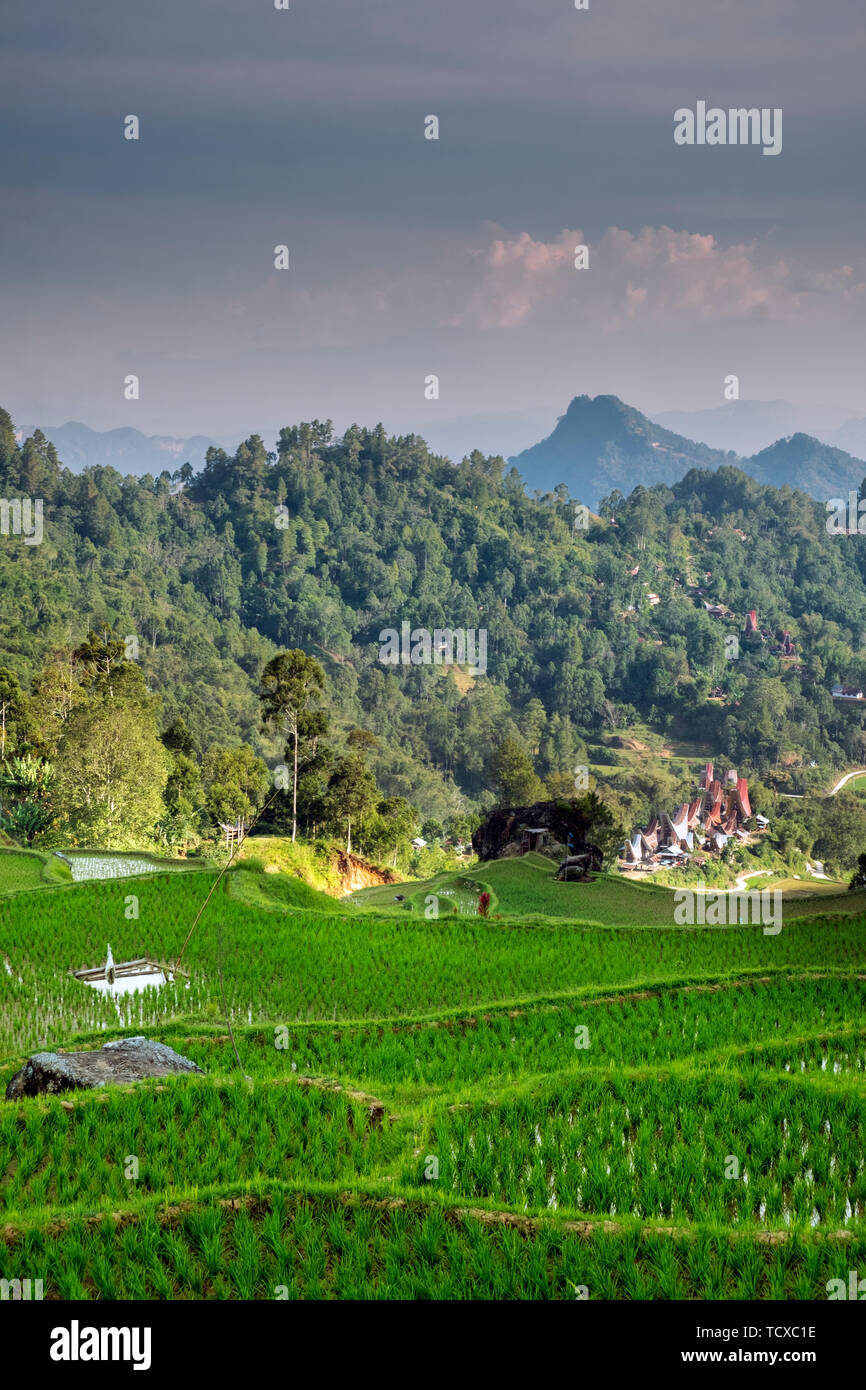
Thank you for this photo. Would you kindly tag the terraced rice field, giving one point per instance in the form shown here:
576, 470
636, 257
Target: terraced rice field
290, 1244
528, 1106
658, 1149
85, 866
20, 869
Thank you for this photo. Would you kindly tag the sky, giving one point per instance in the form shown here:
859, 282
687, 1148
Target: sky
411, 257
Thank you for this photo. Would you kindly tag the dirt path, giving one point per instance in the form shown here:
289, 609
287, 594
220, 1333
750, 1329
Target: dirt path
858, 772
739, 884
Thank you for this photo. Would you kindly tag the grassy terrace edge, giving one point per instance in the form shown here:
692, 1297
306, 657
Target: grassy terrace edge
285, 1240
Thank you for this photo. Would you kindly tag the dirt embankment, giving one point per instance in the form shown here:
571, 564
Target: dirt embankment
359, 873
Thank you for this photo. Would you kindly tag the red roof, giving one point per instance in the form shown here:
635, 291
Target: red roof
714, 803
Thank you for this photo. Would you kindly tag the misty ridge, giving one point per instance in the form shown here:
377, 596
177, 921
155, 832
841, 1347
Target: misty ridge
598, 445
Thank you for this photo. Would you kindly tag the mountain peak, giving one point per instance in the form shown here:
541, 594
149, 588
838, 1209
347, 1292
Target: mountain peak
610, 407
601, 443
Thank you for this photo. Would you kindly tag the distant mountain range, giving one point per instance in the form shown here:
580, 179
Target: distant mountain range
744, 426
749, 426
131, 451
601, 443
127, 450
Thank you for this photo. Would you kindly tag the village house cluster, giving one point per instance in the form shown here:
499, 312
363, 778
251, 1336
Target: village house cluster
721, 811
782, 647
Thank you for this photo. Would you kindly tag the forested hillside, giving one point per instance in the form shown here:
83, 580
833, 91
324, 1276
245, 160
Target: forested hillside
327, 541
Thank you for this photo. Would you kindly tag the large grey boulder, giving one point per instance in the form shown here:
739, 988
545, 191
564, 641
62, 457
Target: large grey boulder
129, 1059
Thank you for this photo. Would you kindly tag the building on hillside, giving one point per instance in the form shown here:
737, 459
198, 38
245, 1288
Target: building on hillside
235, 834
847, 692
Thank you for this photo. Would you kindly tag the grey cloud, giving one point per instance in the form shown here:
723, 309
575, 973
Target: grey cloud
306, 127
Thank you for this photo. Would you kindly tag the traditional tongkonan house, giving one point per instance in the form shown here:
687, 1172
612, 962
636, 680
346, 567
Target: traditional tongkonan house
721, 810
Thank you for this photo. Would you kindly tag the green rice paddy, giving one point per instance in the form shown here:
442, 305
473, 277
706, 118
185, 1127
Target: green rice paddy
572, 1097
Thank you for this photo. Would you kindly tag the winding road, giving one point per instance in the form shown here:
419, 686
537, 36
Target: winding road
858, 772
739, 883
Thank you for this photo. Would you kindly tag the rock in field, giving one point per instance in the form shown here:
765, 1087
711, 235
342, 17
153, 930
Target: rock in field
129, 1059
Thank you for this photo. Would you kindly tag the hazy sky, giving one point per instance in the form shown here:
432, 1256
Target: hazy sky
412, 256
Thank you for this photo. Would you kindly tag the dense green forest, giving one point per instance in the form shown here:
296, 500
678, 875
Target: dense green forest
325, 542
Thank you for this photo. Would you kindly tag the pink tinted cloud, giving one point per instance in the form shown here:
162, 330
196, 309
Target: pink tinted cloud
656, 274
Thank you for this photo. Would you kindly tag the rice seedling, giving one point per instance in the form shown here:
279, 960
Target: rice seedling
462, 1258
345, 965
674, 1168
702, 1044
